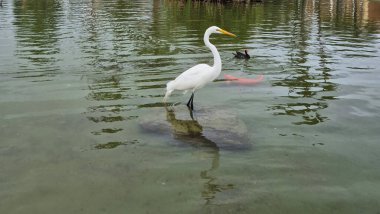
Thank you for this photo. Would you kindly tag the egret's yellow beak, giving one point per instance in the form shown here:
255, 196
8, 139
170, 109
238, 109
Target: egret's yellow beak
226, 33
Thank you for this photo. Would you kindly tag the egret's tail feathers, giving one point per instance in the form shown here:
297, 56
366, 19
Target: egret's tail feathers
169, 90
170, 86
168, 93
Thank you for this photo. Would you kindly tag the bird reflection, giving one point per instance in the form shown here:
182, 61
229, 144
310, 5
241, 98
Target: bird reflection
190, 132
211, 186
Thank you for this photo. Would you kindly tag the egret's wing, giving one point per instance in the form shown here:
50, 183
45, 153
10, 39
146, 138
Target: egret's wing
192, 77
194, 71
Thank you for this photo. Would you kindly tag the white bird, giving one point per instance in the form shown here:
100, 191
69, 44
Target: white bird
198, 76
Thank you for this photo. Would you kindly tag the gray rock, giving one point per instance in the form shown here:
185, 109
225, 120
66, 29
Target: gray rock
205, 127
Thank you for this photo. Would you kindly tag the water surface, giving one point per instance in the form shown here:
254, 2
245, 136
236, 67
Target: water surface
76, 77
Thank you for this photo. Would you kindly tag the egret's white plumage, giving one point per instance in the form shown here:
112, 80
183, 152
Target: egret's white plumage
198, 76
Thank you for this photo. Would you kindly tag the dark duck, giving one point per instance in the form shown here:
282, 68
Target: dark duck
241, 55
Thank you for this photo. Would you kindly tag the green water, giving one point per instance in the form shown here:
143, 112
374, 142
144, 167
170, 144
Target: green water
76, 78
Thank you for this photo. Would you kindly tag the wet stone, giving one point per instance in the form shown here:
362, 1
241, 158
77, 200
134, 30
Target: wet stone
205, 127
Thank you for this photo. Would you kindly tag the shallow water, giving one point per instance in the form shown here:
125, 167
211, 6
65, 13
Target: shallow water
77, 77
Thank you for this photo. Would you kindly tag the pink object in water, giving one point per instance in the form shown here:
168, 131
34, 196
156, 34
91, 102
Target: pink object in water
244, 81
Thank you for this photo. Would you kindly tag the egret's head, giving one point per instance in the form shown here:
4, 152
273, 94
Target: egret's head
221, 31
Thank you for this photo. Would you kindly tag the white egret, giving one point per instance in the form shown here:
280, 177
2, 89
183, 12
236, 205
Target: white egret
198, 76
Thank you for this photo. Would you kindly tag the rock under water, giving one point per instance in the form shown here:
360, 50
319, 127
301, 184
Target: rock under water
204, 127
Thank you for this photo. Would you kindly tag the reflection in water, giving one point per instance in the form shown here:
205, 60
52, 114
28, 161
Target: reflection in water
105, 46
111, 145
110, 112
309, 112
107, 88
307, 81
190, 131
109, 109
211, 187
37, 36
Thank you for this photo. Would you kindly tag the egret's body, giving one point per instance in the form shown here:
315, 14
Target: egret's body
198, 76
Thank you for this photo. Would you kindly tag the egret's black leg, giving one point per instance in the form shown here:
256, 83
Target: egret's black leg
191, 114
190, 102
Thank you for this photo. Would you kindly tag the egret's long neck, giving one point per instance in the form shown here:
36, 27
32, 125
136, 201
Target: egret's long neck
217, 61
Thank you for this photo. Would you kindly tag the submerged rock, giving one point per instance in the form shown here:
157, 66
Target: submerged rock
205, 127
